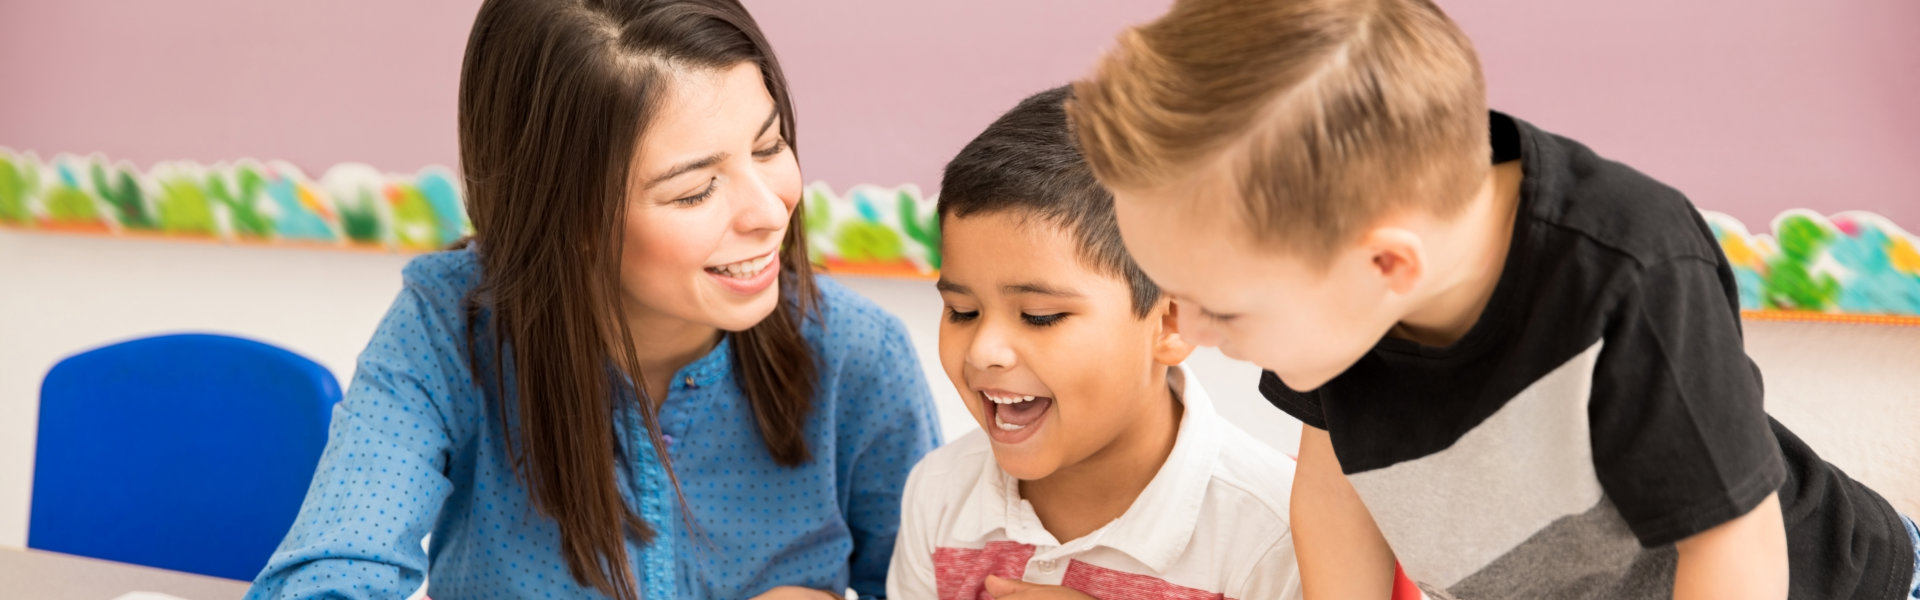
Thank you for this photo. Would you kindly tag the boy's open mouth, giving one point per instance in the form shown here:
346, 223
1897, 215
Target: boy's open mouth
1013, 413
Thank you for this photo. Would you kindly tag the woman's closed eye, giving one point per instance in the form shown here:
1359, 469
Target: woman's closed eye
779, 145
955, 315
704, 194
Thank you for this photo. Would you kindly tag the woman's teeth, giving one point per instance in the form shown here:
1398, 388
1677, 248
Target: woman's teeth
744, 269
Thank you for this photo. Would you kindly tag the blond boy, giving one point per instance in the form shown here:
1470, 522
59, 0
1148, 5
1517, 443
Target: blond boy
1519, 364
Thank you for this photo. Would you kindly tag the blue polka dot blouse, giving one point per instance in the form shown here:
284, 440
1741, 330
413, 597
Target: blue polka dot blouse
416, 449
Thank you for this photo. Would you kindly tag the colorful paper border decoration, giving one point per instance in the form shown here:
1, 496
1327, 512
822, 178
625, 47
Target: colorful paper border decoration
873, 231
1851, 267
352, 205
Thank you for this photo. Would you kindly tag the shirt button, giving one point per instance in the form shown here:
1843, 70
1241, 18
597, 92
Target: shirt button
1046, 566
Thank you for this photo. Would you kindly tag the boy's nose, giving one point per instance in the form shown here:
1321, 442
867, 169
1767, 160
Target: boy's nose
989, 350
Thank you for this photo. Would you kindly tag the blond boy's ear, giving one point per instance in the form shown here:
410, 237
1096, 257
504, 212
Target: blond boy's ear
1168, 347
1398, 255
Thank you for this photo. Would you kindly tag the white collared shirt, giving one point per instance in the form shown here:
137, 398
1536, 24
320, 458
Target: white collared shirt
1211, 524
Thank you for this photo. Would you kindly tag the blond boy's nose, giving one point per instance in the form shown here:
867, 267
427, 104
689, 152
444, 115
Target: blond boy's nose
1196, 329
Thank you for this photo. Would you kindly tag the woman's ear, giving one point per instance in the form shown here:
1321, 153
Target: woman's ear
1168, 347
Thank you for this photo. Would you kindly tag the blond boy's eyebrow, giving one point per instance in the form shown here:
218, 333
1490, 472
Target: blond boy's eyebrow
1039, 289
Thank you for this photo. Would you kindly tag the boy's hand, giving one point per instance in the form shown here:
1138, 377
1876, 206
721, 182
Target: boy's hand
1014, 589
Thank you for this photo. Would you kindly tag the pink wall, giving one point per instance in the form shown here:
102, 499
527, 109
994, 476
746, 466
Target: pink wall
1750, 107
313, 83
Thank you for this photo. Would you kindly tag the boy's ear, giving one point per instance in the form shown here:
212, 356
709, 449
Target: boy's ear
1168, 347
1398, 256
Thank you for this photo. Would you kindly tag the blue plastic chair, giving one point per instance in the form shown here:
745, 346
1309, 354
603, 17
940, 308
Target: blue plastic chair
183, 452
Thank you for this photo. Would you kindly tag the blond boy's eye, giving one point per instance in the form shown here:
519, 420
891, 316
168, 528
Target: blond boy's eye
1217, 317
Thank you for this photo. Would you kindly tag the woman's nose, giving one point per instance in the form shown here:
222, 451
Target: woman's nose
759, 208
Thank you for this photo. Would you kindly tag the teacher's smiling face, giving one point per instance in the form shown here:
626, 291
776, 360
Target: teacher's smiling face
712, 192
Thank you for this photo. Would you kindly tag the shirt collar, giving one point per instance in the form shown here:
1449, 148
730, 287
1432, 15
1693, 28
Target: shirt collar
1156, 528
709, 369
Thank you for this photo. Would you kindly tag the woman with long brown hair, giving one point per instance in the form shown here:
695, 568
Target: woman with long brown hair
628, 383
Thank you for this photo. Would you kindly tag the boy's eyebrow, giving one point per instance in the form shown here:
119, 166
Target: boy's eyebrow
1040, 289
948, 286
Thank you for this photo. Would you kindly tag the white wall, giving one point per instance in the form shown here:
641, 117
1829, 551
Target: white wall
63, 295
1851, 391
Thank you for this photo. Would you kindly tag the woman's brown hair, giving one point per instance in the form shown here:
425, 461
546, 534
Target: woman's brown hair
554, 98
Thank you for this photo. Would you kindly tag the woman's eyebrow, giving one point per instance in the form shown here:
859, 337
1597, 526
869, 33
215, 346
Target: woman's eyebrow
709, 160
685, 167
772, 116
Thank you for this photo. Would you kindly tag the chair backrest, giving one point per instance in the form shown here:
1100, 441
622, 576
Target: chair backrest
183, 452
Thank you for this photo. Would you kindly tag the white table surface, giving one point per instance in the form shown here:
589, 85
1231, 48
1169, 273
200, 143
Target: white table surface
38, 575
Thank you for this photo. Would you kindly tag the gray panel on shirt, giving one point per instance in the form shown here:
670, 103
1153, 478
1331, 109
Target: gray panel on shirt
1514, 508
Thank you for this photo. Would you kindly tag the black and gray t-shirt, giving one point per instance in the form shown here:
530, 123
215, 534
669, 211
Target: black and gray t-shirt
1601, 410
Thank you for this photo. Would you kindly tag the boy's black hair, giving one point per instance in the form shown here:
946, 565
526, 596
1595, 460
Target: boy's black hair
1026, 161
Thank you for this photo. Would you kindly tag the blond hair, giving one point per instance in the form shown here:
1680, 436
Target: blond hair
1329, 113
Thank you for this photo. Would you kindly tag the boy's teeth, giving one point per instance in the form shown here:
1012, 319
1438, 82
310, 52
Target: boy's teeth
1008, 399
1005, 426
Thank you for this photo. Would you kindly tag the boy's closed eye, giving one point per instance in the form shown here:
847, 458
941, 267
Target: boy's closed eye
955, 315
1042, 320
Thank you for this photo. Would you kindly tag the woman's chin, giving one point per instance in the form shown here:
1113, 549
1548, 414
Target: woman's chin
743, 315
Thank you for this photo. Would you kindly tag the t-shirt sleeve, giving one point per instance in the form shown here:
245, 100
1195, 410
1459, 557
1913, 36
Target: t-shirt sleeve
1304, 406
1680, 440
